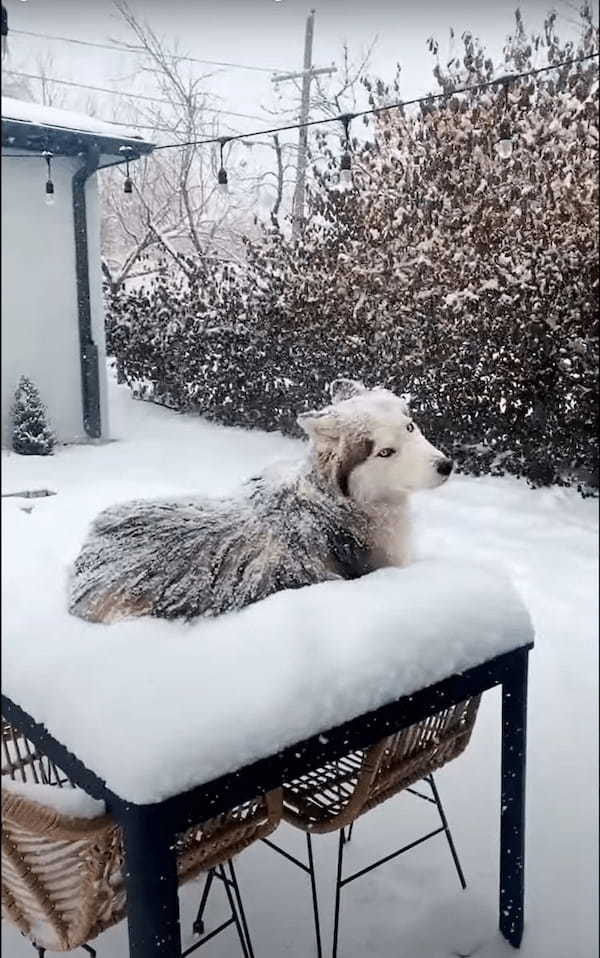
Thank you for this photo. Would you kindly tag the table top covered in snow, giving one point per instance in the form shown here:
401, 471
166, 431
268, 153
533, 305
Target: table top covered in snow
156, 707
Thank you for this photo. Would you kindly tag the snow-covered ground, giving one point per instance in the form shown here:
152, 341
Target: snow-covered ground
413, 906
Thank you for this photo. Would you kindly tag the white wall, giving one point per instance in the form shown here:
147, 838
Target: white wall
40, 332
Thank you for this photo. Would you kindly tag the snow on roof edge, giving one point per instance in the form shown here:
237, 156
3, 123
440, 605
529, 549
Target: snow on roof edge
37, 114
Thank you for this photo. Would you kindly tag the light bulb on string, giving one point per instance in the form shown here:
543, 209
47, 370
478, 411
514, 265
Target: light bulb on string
49, 197
345, 181
346, 170
129, 154
504, 143
222, 181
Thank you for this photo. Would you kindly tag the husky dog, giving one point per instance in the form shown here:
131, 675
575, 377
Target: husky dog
339, 513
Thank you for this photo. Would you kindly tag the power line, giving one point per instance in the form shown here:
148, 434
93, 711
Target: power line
84, 86
142, 126
140, 50
133, 96
373, 111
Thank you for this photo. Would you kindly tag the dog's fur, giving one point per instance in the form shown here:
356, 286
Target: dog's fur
338, 514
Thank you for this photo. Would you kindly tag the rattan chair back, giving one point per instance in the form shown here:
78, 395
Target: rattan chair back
62, 876
334, 795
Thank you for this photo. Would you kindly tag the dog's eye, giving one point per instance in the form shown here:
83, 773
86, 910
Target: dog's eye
386, 453
410, 427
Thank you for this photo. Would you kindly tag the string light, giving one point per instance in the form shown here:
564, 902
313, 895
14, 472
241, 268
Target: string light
504, 145
49, 194
222, 183
346, 161
129, 154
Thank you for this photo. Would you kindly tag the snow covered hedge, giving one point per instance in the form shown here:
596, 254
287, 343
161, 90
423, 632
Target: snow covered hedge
469, 281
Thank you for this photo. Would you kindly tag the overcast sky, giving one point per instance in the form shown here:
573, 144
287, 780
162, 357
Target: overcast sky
261, 33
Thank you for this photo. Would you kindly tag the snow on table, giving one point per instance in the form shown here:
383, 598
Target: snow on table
156, 707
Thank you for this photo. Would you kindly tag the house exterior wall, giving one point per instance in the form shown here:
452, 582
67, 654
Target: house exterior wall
40, 331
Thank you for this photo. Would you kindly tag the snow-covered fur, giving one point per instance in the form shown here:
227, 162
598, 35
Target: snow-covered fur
339, 513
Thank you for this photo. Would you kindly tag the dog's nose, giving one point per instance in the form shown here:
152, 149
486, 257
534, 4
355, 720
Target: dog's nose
444, 466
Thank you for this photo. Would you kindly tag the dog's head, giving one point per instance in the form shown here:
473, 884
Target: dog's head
367, 442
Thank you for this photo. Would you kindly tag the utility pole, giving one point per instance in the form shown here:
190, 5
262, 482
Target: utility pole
308, 73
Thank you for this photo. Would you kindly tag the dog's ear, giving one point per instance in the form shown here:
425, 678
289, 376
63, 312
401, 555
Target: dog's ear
351, 454
321, 425
341, 389
405, 399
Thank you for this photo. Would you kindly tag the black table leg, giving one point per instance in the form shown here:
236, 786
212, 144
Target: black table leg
512, 815
151, 875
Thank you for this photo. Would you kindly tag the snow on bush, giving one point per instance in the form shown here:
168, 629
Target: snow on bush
31, 434
467, 280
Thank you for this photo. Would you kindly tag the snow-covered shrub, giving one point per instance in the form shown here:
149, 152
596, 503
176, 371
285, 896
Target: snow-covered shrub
31, 434
469, 281
179, 334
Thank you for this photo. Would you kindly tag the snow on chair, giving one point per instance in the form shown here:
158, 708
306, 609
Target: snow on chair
332, 797
62, 878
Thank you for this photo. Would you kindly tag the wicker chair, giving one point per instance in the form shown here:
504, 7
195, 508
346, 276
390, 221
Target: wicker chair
62, 881
332, 797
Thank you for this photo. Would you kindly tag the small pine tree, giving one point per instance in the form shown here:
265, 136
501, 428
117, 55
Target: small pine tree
31, 434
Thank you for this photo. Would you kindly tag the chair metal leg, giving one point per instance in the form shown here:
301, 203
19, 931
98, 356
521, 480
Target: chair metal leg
198, 926
345, 836
236, 917
447, 831
240, 906
338, 889
42, 951
313, 888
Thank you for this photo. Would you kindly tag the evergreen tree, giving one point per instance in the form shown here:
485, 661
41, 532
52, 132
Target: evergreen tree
31, 435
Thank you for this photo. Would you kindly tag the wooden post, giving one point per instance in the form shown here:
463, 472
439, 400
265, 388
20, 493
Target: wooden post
298, 207
307, 74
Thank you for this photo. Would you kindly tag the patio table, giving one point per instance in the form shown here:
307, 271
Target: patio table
149, 829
